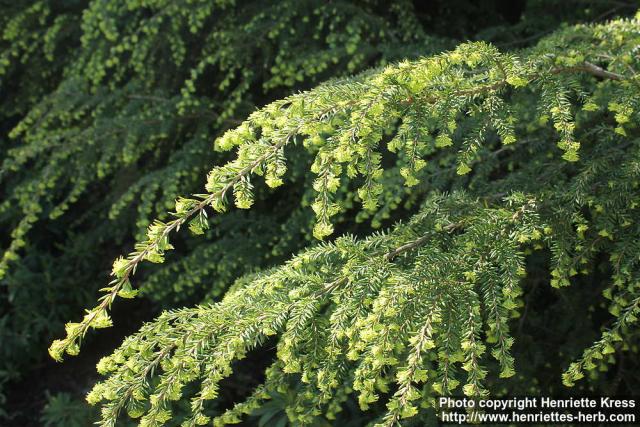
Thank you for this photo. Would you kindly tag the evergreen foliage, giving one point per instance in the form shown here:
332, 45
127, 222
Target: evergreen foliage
102, 126
487, 167
410, 312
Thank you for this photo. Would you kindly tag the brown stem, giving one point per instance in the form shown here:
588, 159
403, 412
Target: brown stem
412, 245
389, 256
600, 72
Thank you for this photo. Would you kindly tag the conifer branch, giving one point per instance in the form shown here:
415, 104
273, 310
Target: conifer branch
390, 256
98, 317
421, 303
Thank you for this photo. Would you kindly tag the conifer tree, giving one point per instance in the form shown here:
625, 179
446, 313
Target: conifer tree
107, 91
399, 222
541, 150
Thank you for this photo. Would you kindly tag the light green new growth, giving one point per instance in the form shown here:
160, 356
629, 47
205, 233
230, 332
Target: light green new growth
417, 311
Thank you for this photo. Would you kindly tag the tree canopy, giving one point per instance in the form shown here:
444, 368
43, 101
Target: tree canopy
469, 196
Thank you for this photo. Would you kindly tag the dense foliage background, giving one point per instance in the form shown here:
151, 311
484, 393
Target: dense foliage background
108, 112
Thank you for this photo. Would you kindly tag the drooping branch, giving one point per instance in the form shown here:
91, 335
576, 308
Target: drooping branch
98, 316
